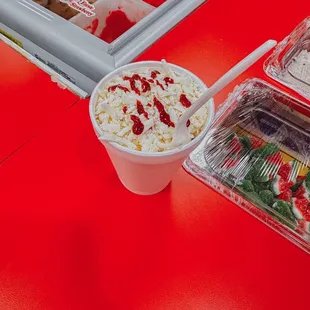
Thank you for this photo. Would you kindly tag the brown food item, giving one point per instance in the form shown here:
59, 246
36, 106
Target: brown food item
42, 2
59, 8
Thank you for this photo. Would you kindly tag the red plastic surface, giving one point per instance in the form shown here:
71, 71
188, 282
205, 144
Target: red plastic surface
28, 100
73, 238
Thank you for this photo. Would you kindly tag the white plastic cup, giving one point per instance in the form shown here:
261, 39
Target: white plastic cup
146, 173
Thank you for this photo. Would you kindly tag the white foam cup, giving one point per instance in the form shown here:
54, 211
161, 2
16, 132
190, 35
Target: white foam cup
146, 173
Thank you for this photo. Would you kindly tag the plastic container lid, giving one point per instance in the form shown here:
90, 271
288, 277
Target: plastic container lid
257, 154
290, 62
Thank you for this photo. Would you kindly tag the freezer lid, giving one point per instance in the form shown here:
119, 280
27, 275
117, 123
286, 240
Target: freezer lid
83, 34
104, 19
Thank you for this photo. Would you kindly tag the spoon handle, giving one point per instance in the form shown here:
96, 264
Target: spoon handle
228, 77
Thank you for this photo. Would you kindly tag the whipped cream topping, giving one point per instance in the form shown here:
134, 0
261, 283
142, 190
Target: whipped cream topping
139, 109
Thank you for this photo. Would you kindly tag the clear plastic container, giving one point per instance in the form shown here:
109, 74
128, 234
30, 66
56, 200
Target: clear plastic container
112, 18
290, 62
257, 154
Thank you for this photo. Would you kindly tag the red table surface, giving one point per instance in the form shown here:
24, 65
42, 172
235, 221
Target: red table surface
73, 238
28, 100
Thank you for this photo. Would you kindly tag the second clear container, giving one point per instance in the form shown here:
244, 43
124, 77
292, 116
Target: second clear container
257, 154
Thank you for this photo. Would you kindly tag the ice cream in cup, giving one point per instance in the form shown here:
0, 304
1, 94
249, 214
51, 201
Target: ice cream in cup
134, 110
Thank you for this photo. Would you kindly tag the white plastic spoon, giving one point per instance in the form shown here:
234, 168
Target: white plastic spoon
181, 135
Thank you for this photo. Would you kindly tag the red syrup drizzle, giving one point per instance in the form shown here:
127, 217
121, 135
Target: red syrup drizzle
113, 88
163, 115
137, 127
140, 109
184, 101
